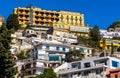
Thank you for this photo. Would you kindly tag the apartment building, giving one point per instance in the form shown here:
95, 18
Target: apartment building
109, 34
39, 17
1, 20
109, 44
29, 68
50, 51
46, 33
94, 67
71, 22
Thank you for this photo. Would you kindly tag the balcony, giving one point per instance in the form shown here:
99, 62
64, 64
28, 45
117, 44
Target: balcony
49, 16
54, 16
72, 36
100, 64
67, 70
44, 15
27, 13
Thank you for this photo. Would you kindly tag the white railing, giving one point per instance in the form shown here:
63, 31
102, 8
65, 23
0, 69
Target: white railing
100, 64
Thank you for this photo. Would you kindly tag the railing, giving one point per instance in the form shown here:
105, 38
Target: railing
67, 70
100, 64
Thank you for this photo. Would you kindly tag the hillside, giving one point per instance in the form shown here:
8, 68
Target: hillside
115, 26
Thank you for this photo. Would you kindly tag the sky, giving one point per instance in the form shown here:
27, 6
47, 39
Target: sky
96, 12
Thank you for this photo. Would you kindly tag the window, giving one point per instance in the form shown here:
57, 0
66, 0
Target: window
76, 65
67, 19
86, 65
61, 18
79, 73
80, 20
53, 58
81, 50
88, 51
28, 31
62, 26
99, 71
76, 19
57, 48
65, 41
50, 38
41, 56
86, 73
47, 47
71, 17
63, 49
108, 42
115, 64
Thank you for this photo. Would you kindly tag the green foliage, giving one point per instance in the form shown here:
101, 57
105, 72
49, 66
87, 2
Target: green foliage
6, 62
94, 37
5, 37
116, 38
22, 55
12, 22
95, 34
93, 40
74, 55
114, 25
83, 40
48, 73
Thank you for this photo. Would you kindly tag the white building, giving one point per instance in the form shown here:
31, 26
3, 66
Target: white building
50, 51
44, 33
109, 34
94, 67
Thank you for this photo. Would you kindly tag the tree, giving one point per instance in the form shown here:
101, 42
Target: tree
95, 33
22, 55
74, 55
12, 22
94, 36
7, 69
48, 73
116, 38
83, 40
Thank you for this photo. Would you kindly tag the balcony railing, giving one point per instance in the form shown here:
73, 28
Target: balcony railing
100, 64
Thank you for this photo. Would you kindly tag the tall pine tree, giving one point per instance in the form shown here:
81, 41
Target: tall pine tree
7, 69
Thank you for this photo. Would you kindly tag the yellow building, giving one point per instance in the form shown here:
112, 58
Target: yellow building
72, 22
109, 44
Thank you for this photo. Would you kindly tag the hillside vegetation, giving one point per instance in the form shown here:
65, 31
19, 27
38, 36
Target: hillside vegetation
115, 25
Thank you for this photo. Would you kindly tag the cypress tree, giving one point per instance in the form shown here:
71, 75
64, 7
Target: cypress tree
7, 69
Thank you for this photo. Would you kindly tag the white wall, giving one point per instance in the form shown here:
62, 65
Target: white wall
41, 54
63, 66
54, 48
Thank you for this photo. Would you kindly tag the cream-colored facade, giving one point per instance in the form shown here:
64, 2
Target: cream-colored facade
64, 20
1, 20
